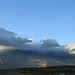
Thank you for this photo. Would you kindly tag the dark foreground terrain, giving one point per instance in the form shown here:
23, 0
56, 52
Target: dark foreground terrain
55, 70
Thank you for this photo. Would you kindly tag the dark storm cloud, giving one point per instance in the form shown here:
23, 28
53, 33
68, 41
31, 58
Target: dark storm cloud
8, 38
21, 50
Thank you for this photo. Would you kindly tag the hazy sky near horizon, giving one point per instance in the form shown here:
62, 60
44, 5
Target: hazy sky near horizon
40, 19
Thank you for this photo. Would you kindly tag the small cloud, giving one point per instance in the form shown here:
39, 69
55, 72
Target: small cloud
72, 51
49, 43
42, 64
58, 61
70, 46
33, 60
4, 48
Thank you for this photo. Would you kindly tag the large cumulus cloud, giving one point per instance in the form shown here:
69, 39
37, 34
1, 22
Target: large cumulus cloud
17, 51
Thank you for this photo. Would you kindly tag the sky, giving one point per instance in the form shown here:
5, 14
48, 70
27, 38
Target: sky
40, 19
37, 33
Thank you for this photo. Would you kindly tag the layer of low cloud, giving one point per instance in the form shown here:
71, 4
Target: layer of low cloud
17, 51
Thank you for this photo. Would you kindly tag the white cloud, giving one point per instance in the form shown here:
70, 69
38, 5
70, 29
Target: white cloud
4, 48
70, 46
